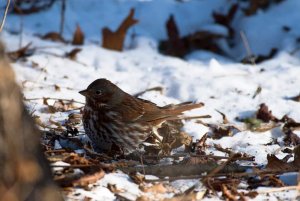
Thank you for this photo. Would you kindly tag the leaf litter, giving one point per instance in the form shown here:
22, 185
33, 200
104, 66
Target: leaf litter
76, 165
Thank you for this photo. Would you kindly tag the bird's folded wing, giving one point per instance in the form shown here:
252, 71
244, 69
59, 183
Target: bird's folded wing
170, 112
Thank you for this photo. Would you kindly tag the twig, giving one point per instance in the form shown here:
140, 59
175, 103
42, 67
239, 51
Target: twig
4, 17
247, 47
243, 158
21, 30
75, 166
196, 117
236, 175
142, 162
160, 89
59, 99
183, 169
221, 167
62, 17
285, 188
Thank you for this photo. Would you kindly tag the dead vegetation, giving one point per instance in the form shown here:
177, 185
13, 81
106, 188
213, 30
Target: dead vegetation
218, 173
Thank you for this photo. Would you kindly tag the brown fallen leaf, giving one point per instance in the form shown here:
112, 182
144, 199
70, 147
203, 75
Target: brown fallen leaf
229, 194
219, 131
200, 145
255, 5
73, 53
156, 188
225, 120
21, 53
159, 89
137, 177
264, 180
216, 184
28, 7
295, 98
265, 114
253, 59
290, 139
113, 188
276, 164
114, 40
53, 36
75, 180
180, 46
226, 19
56, 87
78, 36
176, 45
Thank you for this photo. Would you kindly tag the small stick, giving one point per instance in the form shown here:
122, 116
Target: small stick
62, 17
247, 47
237, 175
59, 99
160, 89
5, 14
280, 189
142, 162
196, 117
21, 30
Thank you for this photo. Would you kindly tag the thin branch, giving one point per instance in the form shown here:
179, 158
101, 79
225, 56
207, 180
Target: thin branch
62, 17
285, 188
247, 47
5, 14
58, 99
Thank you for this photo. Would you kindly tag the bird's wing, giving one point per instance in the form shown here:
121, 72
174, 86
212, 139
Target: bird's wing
130, 109
170, 112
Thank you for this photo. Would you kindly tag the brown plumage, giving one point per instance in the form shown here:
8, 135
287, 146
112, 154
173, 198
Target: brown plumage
113, 117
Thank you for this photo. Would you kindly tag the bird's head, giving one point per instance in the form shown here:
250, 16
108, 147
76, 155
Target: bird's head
103, 93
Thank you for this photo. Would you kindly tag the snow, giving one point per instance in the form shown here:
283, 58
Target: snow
221, 83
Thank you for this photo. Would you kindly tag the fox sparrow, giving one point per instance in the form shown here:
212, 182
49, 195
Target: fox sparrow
113, 117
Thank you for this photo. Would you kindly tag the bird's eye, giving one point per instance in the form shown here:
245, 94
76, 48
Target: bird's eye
98, 92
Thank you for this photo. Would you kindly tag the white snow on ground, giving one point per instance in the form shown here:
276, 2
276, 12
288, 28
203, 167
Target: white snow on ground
220, 83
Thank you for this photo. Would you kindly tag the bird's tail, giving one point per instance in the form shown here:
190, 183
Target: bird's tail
182, 107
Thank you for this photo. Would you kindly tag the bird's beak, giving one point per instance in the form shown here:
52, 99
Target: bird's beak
84, 92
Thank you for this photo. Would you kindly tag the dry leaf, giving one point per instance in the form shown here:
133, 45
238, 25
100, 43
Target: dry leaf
137, 177
78, 36
76, 180
73, 53
54, 36
156, 188
226, 19
21, 53
28, 7
253, 59
200, 145
295, 98
225, 120
265, 114
113, 188
228, 194
276, 164
180, 46
56, 87
255, 5
114, 40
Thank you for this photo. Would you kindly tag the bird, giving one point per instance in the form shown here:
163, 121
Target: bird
111, 117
